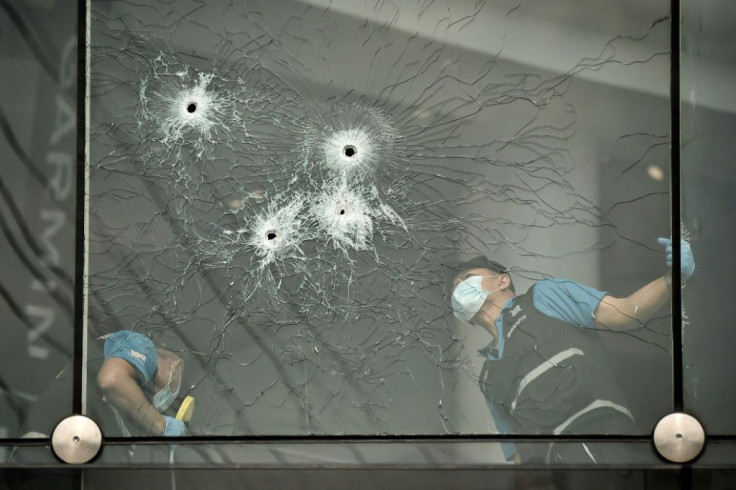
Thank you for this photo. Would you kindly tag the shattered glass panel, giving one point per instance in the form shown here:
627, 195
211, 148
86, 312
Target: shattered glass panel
278, 191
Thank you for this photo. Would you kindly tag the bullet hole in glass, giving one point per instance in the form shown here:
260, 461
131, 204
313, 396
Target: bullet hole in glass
271, 235
191, 107
349, 151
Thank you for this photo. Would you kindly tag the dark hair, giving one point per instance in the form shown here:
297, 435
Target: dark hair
477, 262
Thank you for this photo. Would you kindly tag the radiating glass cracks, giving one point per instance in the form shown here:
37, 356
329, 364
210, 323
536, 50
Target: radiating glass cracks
275, 192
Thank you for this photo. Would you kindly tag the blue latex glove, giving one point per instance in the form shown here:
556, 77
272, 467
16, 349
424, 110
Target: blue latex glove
174, 427
687, 261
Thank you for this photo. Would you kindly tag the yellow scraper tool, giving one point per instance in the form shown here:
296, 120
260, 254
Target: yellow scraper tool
186, 410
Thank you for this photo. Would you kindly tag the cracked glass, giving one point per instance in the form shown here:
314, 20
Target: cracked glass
284, 196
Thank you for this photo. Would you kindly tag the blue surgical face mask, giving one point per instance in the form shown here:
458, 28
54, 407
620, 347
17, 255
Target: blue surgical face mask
469, 296
164, 398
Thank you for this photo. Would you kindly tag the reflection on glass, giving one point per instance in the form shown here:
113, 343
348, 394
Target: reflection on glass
708, 72
277, 191
37, 210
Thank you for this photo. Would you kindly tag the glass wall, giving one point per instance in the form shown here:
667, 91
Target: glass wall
417, 241
708, 125
282, 194
38, 135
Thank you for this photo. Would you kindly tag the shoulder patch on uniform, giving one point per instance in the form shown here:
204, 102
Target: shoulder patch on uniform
137, 355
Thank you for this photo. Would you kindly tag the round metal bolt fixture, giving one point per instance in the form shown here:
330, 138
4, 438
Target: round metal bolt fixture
679, 437
76, 440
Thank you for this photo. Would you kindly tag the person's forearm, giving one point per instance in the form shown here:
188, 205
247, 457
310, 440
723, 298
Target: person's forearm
117, 381
138, 409
648, 300
635, 310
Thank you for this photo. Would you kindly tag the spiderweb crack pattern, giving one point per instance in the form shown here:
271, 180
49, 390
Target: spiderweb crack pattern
289, 214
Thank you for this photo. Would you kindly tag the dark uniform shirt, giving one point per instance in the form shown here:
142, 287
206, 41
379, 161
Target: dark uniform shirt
548, 372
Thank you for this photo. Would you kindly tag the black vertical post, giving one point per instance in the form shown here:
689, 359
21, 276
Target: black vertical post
80, 231
677, 368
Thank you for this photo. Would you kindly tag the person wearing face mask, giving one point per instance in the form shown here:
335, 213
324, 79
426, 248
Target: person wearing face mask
545, 369
133, 369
